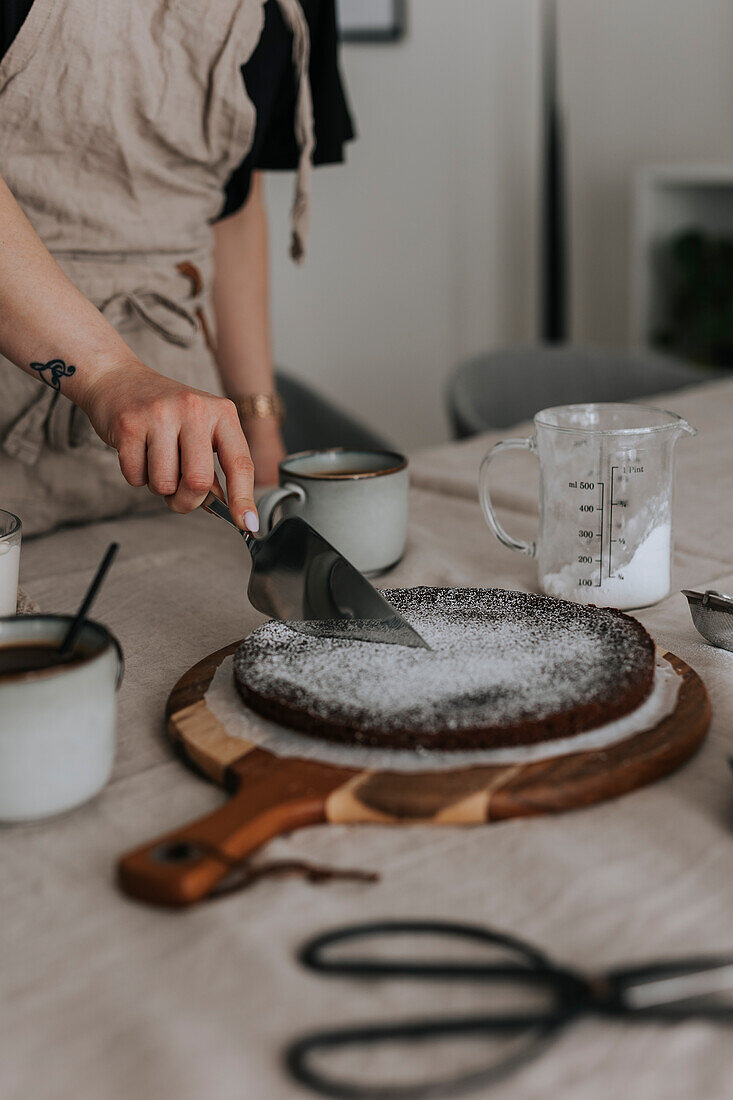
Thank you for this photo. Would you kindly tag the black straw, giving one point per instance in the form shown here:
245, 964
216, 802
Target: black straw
73, 632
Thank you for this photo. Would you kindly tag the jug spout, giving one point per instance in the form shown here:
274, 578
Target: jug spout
675, 426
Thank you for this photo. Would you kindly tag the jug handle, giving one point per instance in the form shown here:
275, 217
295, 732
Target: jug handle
522, 547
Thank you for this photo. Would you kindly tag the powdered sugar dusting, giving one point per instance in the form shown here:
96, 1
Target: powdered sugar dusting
498, 659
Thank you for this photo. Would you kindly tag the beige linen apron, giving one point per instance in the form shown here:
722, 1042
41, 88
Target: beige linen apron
120, 124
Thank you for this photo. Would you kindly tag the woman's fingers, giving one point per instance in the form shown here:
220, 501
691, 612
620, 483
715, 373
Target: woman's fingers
133, 462
234, 456
167, 434
197, 468
163, 461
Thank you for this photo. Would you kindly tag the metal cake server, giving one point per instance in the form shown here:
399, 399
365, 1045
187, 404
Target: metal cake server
300, 579
712, 614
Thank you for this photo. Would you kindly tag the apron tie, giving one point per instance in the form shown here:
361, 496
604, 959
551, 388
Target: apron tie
304, 127
166, 317
50, 419
26, 436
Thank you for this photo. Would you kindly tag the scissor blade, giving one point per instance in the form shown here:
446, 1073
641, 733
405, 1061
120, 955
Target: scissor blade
708, 980
299, 578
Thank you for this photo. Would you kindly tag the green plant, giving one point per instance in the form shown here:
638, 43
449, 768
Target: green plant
696, 271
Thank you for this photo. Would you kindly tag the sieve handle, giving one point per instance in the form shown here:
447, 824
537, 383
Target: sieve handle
484, 492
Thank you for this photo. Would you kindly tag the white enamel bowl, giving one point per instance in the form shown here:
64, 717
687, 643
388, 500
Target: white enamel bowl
58, 725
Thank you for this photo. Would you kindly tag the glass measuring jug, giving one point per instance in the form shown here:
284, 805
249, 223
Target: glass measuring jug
606, 473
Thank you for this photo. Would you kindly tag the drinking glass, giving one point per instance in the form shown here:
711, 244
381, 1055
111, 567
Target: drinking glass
10, 535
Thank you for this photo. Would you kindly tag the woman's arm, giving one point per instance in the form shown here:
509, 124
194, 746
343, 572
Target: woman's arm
241, 305
165, 433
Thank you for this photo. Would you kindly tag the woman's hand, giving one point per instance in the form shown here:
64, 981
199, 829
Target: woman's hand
266, 446
166, 435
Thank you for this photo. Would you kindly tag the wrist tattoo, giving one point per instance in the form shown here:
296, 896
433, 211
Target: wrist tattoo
57, 369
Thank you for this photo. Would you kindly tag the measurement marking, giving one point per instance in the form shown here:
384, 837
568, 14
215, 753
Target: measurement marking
600, 560
610, 521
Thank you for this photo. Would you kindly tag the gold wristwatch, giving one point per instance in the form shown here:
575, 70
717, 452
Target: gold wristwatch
260, 406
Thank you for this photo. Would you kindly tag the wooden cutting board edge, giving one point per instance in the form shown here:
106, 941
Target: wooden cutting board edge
456, 796
271, 796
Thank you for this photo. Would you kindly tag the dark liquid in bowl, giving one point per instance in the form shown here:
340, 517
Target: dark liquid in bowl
33, 657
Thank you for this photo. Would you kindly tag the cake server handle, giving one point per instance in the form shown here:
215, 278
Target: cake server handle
218, 508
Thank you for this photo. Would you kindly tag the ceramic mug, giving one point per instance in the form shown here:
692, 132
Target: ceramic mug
358, 501
57, 724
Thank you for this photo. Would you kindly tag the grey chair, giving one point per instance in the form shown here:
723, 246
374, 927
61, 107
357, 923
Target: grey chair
499, 389
313, 421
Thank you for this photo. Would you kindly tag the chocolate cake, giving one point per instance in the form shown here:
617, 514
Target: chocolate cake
504, 668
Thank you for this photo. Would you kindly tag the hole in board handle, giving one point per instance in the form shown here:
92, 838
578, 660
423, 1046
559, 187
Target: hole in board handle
177, 851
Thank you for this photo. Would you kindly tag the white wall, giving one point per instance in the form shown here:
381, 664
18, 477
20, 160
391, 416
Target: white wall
423, 246
645, 81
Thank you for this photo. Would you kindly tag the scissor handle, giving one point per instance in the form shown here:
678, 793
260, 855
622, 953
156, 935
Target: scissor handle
532, 962
542, 1029
532, 967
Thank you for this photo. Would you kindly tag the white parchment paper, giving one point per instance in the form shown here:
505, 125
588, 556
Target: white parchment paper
238, 720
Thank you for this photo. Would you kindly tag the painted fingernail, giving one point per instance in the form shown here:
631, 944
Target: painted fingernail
252, 522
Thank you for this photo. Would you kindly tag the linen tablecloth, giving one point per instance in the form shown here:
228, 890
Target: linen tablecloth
106, 999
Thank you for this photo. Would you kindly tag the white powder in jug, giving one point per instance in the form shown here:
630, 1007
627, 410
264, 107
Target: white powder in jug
642, 581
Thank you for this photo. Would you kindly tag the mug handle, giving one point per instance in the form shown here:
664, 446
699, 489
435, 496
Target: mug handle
484, 493
270, 500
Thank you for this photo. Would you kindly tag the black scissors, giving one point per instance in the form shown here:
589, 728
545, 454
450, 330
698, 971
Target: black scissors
665, 991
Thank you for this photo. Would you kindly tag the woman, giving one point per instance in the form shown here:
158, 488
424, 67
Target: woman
130, 136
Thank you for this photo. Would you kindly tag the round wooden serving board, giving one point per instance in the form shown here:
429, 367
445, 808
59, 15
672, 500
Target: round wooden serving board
272, 795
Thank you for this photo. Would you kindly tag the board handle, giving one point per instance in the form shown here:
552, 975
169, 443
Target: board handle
186, 865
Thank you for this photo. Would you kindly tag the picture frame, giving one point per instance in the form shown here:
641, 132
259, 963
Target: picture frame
372, 20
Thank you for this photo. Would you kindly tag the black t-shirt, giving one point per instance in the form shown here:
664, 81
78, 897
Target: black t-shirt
271, 85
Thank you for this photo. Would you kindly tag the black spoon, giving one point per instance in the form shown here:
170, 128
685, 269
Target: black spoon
72, 633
